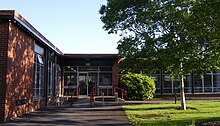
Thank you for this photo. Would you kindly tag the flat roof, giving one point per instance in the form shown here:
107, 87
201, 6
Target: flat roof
17, 18
92, 56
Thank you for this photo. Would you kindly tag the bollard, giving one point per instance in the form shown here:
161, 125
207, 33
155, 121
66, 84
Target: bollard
103, 98
116, 96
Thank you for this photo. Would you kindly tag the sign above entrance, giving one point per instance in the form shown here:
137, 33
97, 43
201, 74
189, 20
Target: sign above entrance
87, 64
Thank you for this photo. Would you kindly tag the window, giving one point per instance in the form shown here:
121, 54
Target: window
50, 85
156, 79
216, 82
198, 86
38, 50
167, 84
38, 76
58, 81
208, 83
70, 79
40, 59
188, 84
105, 68
105, 79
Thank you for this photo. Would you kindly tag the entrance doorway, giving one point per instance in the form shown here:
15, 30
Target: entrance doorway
86, 82
92, 82
83, 83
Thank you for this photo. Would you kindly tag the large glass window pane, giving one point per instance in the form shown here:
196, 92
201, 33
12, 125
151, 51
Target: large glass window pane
58, 81
156, 79
188, 84
105, 79
167, 84
216, 82
176, 85
38, 49
41, 93
38, 77
208, 83
37, 93
50, 84
198, 86
38, 68
38, 80
105, 68
40, 59
70, 79
92, 81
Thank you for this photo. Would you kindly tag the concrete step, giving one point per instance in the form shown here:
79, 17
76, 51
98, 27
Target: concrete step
84, 101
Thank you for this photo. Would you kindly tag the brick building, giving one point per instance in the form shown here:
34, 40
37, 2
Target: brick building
33, 70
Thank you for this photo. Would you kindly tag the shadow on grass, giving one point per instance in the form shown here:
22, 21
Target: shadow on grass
181, 122
199, 122
160, 108
167, 122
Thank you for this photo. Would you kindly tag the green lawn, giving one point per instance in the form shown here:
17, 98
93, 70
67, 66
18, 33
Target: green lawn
170, 114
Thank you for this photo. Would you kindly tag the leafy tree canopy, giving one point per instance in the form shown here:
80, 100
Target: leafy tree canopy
166, 33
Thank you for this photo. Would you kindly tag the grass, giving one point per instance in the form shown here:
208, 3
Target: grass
163, 114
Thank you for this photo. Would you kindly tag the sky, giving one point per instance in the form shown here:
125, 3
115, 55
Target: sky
74, 26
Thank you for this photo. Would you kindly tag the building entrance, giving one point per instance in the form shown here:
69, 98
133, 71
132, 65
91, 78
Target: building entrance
79, 80
83, 83
86, 82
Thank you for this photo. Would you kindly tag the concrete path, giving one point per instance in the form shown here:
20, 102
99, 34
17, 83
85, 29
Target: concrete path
80, 114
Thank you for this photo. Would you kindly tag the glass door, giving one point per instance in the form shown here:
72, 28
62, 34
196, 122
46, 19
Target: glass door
83, 83
92, 82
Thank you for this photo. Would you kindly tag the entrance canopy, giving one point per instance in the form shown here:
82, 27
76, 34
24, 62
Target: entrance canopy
90, 59
82, 72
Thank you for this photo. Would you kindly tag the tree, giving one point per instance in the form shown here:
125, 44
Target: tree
173, 35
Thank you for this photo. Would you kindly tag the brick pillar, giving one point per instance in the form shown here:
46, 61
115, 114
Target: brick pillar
4, 33
115, 73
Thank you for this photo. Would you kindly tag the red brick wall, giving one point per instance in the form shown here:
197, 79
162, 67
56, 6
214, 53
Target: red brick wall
19, 78
115, 73
3, 65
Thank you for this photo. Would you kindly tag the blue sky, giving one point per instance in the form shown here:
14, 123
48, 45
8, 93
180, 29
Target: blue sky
74, 26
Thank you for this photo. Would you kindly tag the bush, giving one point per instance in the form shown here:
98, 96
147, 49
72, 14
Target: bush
139, 87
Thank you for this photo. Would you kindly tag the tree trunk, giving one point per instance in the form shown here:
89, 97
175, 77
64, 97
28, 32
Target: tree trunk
183, 100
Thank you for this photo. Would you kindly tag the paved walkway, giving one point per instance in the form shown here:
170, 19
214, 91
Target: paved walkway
79, 114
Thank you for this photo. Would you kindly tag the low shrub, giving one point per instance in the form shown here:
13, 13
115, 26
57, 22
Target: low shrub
139, 87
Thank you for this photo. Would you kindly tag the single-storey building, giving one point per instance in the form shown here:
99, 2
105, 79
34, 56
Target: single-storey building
33, 70
208, 85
